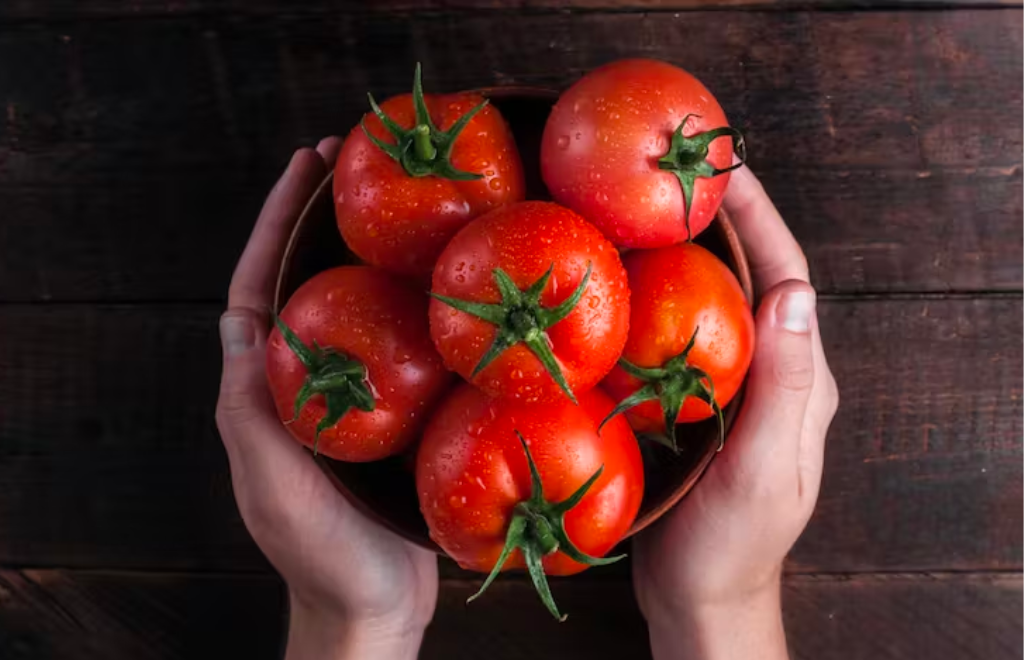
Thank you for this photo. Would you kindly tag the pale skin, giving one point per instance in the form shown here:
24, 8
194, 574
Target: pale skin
707, 576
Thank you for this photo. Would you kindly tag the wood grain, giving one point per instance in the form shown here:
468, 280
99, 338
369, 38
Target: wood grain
61, 614
135, 154
109, 456
75, 9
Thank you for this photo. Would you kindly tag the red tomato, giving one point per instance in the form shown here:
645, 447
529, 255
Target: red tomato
682, 294
360, 343
516, 310
625, 144
400, 199
474, 482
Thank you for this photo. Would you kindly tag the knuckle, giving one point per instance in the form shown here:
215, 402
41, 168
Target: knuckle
794, 373
263, 519
234, 409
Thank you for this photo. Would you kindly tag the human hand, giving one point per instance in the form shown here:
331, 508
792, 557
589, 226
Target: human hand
356, 590
707, 577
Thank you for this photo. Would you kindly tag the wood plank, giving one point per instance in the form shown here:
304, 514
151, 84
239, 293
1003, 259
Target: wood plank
61, 614
108, 413
928, 439
147, 146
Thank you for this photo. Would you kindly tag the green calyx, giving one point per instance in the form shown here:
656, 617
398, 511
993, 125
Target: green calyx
670, 384
520, 318
340, 379
538, 529
424, 149
687, 159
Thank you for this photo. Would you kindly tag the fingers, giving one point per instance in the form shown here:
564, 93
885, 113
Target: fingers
820, 411
773, 253
328, 149
781, 378
244, 400
252, 285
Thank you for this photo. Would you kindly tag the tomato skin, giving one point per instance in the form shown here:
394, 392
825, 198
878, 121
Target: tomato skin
675, 289
400, 222
524, 240
471, 471
602, 142
378, 319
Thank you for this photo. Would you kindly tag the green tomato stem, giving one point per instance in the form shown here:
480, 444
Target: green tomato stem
425, 150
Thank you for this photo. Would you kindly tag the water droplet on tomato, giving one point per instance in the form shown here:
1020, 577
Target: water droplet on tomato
460, 278
562, 142
456, 502
495, 184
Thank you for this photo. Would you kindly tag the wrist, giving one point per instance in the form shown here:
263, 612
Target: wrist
748, 626
318, 634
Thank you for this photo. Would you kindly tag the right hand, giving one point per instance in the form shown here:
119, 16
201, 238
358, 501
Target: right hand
708, 575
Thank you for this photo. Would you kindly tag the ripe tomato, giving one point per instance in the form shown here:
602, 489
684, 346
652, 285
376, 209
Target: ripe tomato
634, 147
691, 339
473, 477
351, 361
416, 170
530, 299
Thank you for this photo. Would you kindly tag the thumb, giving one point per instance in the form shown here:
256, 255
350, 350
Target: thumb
780, 378
244, 397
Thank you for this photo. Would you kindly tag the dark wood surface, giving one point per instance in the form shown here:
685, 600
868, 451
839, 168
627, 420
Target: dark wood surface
138, 137
147, 616
890, 140
79, 9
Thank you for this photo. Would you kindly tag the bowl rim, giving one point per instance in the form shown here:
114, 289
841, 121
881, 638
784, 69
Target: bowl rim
738, 265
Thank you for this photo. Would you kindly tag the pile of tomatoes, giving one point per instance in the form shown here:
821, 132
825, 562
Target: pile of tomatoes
544, 320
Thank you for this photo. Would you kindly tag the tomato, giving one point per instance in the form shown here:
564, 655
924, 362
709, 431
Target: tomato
691, 339
413, 173
351, 362
473, 477
634, 147
530, 302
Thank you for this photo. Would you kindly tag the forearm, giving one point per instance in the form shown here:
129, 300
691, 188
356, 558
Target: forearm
751, 628
314, 635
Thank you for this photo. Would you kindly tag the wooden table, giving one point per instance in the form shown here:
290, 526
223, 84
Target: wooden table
138, 138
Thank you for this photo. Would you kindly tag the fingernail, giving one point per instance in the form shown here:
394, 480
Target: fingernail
237, 334
794, 311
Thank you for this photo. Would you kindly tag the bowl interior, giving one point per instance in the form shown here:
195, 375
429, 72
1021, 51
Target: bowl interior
385, 490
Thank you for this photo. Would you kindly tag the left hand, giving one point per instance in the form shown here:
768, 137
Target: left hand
356, 590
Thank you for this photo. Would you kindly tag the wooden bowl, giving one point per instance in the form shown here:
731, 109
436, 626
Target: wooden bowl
385, 490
